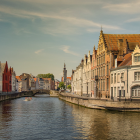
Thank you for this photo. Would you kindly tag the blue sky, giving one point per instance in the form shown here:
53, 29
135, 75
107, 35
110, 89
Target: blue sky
37, 36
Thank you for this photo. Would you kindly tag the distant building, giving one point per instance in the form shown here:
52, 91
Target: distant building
77, 79
65, 79
56, 84
13, 80
18, 84
5, 78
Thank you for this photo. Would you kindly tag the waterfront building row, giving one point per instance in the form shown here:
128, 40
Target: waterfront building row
27, 82
92, 77
10, 83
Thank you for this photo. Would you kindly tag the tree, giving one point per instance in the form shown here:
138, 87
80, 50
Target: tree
69, 86
61, 85
49, 75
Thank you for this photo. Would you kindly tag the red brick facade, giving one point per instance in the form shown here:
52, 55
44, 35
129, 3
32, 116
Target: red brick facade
6, 79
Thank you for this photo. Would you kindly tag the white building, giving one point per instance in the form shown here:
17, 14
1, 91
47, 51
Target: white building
13, 80
47, 83
87, 75
125, 77
77, 80
36, 83
41, 83
18, 84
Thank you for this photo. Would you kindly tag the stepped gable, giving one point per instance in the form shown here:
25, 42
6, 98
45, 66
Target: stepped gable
127, 60
111, 41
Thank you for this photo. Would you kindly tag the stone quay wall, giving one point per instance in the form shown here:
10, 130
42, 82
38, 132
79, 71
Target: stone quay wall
10, 96
101, 104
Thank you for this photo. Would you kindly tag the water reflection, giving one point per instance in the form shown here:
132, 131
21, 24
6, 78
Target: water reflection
50, 118
99, 124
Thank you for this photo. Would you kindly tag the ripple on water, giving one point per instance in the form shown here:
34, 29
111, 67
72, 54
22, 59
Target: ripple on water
51, 118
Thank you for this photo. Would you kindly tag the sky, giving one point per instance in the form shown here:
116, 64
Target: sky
38, 36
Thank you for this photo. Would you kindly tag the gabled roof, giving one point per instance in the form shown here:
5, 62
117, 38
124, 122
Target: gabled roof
111, 40
18, 78
69, 78
127, 60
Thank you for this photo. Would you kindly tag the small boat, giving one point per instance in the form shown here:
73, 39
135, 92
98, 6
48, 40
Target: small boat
28, 98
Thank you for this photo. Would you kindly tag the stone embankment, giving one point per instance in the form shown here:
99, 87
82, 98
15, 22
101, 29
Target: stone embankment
101, 104
9, 96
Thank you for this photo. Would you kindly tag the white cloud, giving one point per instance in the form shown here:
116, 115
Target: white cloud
38, 51
133, 19
79, 22
66, 50
127, 7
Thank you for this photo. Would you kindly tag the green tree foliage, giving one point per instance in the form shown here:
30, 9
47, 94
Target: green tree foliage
49, 75
69, 86
61, 85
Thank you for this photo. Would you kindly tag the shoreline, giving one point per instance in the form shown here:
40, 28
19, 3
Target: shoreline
124, 106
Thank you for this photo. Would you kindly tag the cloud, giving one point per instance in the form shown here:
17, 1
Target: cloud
66, 50
127, 7
133, 20
77, 21
38, 51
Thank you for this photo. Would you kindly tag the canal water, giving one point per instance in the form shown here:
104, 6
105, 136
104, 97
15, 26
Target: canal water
48, 118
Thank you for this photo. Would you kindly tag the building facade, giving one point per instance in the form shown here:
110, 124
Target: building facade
125, 77
87, 75
77, 80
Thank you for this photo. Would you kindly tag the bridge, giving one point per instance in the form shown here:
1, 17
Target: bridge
41, 91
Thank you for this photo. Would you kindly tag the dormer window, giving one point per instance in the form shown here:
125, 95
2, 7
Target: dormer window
137, 57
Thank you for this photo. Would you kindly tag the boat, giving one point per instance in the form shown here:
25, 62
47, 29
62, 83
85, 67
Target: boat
28, 98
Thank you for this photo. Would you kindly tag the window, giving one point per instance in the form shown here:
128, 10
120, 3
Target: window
111, 78
118, 77
137, 58
118, 90
114, 78
136, 91
122, 91
104, 71
114, 91
107, 70
107, 83
101, 85
137, 76
122, 76
104, 84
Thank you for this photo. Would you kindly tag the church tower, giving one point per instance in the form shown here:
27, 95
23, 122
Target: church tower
64, 74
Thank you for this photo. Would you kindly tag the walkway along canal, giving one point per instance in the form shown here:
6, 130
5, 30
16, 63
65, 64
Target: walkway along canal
101, 104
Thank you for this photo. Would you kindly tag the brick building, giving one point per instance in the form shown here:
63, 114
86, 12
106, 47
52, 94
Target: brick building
110, 47
5, 78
